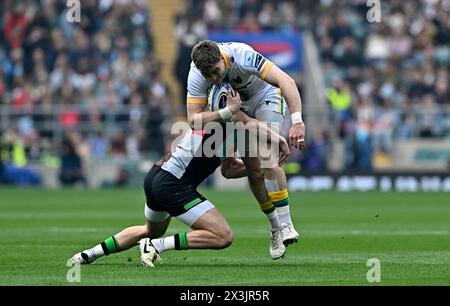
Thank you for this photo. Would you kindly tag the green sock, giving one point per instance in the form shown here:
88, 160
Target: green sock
110, 246
181, 242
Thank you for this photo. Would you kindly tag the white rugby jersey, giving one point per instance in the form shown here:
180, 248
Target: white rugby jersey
246, 71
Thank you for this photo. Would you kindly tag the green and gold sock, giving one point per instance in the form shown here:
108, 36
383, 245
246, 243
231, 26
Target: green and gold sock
280, 199
269, 210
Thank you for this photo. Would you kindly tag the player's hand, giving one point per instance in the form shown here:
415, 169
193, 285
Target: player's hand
284, 151
297, 135
233, 100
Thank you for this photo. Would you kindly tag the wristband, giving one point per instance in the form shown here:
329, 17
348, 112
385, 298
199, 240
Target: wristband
296, 117
225, 114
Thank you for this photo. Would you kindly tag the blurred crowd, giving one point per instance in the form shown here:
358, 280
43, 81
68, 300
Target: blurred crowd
97, 78
100, 84
386, 80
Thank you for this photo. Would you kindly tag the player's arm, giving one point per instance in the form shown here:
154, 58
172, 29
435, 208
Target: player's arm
197, 99
282, 80
233, 168
198, 117
261, 130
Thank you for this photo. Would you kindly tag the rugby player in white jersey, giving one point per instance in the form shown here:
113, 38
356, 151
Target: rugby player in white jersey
265, 90
171, 191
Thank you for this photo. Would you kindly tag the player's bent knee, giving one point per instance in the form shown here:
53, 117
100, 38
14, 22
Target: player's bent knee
253, 167
272, 172
225, 238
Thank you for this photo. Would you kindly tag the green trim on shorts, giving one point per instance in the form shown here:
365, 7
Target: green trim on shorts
192, 204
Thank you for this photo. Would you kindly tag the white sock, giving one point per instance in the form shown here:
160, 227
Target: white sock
95, 252
284, 214
273, 219
164, 244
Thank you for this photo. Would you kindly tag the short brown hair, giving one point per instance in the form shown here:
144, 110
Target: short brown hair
205, 54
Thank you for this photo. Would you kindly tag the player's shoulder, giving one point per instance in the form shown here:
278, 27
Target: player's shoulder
234, 48
197, 85
195, 74
243, 55
193, 67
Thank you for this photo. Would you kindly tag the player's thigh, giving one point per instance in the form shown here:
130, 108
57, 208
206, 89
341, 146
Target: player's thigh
253, 167
179, 199
157, 222
157, 229
271, 108
213, 221
266, 151
256, 166
192, 208
272, 118
156, 217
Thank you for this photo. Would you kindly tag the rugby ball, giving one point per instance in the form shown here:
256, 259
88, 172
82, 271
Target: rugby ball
217, 98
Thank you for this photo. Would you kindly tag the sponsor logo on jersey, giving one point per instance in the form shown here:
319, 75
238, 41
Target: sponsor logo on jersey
250, 59
254, 60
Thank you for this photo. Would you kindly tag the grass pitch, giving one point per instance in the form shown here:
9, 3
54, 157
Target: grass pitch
408, 232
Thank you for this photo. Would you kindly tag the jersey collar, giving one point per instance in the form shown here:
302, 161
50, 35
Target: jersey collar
227, 60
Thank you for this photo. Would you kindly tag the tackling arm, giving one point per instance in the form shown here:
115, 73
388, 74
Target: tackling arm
198, 117
233, 168
258, 129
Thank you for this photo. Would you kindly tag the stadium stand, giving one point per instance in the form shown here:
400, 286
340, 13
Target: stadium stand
98, 78
105, 80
